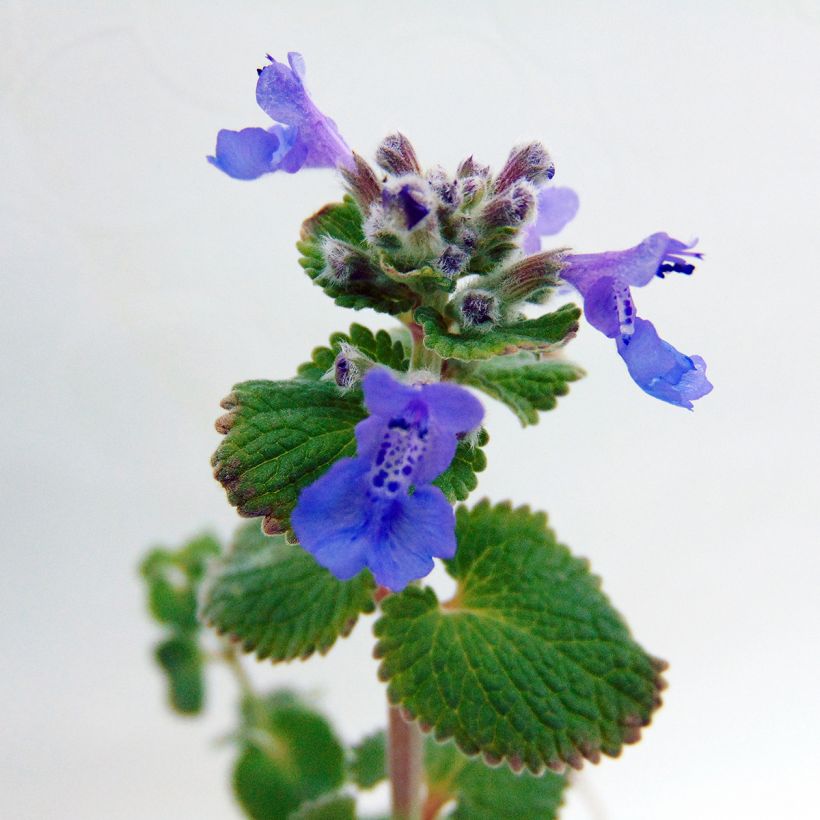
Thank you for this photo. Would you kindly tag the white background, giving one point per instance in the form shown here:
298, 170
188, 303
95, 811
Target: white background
139, 284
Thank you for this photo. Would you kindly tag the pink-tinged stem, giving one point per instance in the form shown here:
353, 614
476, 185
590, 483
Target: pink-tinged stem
404, 761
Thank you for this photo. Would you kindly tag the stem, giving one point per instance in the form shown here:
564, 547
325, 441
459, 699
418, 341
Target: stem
404, 761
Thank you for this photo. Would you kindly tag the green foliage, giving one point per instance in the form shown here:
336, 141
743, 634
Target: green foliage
367, 286
181, 660
542, 333
380, 348
482, 792
459, 479
172, 579
332, 807
289, 755
522, 382
368, 765
529, 663
272, 597
280, 437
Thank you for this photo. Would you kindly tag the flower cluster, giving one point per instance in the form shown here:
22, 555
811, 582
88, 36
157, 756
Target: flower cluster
379, 510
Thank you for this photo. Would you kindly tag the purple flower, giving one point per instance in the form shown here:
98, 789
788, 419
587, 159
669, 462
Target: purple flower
302, 138
604, 280
556, 207
360, 513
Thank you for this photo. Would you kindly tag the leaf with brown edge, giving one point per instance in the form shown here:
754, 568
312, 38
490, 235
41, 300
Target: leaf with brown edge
280, 437
272, 598
529, 663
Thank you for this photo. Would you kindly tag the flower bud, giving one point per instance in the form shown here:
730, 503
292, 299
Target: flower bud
452, 261
342, 261
511, 208
446, 189
529, 162
345, 372
470, 168
362, 182
396, 156
410, 201
478, 309
529, 275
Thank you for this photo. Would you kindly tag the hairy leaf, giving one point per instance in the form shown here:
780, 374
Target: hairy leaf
529, 663
280, 437
542, 333
289, 755
274, 599
367, 286
522, 382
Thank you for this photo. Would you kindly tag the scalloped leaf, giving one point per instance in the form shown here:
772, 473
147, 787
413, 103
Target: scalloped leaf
289, 755
273, 598
459, 479
482, 792
523, 382
280, 437
379, 347
541, 334
368, 287
529, 663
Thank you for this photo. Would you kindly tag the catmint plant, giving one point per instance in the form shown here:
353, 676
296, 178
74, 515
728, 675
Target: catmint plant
352, 469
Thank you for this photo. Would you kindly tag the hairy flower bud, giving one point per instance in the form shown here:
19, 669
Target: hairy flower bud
452, 261
408, 200
396, 156
345, 372
511, 208
478, 309
362, 182
529, 162
342, 261
445, 188
529, 275
470, 168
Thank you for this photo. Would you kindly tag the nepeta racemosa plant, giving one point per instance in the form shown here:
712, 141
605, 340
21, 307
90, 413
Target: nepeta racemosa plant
354, 466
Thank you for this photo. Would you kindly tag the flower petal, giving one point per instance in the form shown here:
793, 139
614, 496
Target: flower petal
413, 528
661, 370
332, 517
556, 207
385, 396
249, 153
452, 408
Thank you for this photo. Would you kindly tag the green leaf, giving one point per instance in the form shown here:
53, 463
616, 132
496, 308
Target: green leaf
485, 793
380, 347
290, 755
280, 437
332, 807
368, 766
459, 479
542, 334
529, 662
368, 287
181, 660
522, 382
173, 577
272, 597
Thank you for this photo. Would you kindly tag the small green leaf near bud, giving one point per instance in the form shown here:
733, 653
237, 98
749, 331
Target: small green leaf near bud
459, 479
368, 766
331, 807
542, 334
181, 660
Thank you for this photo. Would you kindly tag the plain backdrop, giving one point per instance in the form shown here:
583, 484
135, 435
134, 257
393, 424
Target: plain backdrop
139, 284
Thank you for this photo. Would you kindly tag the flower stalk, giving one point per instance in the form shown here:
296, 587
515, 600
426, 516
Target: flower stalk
404, 762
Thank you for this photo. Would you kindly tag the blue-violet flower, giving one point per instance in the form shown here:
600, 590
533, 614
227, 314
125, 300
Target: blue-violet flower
361, 512
302, 137
604, 280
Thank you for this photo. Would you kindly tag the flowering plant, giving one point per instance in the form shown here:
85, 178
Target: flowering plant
354, 467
